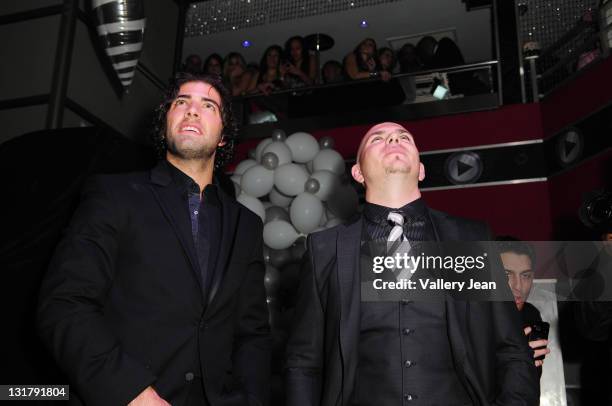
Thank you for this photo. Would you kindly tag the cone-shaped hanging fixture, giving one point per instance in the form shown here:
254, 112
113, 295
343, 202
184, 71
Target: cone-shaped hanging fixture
120, 25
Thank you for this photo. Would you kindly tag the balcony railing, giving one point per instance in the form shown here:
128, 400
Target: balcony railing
586, 43
406, 91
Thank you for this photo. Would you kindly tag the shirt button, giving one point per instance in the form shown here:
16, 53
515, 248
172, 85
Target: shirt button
408, 363
407, 331
189, 376
195, 212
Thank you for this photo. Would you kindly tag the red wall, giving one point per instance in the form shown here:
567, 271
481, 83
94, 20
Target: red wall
521, 210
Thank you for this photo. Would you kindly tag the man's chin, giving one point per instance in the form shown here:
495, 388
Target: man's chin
186, 152
519, 304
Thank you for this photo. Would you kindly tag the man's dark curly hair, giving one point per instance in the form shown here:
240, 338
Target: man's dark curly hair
230, 128
508, 243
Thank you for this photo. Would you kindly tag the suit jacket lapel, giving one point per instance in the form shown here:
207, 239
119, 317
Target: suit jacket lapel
348, 250
175, 210
229, 221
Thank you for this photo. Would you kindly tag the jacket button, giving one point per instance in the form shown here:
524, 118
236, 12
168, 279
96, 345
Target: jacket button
407, 331
409, 397
408, 363
189, 376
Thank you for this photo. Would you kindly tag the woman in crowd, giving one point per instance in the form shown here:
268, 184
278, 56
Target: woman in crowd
236, 75
408, 59
332, 72
301, 68
271, 74
193, 64
213, 64
386, 60
361, 63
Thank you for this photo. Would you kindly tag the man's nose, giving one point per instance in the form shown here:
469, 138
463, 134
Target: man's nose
392, 138
192, 111
514, 285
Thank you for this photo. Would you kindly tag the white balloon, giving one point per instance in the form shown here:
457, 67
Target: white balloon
328, 183
242, 167
329, 160
309, 166
257, 181
279, 199
279, 234
260, 147
236, 179
281, 150
237, 190
289, 179
344, 201
253, 204
266, 205
304, 147
306, 211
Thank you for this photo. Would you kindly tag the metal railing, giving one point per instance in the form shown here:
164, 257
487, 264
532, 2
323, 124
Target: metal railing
584, 44
456, 81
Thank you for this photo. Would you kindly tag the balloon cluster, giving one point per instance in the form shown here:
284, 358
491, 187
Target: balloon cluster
297, 185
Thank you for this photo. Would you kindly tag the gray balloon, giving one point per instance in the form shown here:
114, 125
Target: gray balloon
251, 154
279, 135
327, 143
312, 186
271, 280
269, 160
277, 213
298, 248
266, 254
274, 313
278, 258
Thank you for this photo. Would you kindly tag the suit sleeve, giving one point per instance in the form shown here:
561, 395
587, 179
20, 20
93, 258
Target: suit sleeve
305, 346
518, 382
252, 348
71, 304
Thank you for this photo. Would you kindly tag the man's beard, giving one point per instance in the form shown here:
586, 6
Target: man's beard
392, 170
401, 168
205, 152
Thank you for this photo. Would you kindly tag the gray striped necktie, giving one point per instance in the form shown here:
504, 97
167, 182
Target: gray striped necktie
397, 232
397, 243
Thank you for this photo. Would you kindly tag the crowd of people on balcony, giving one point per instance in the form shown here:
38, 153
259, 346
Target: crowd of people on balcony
294, 65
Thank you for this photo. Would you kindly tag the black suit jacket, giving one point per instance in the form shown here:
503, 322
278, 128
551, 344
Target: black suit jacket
493, 360
122, 307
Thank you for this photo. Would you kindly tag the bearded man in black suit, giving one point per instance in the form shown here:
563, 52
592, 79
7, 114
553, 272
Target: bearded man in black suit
347, 351
155, 296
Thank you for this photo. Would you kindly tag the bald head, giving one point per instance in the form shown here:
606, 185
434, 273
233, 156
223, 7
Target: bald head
388, 165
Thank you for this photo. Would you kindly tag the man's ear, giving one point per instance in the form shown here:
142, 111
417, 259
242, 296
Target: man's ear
421, 172
357, 175
222, 141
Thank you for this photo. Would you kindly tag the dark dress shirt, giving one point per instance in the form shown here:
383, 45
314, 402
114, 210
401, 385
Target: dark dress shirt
204, 212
